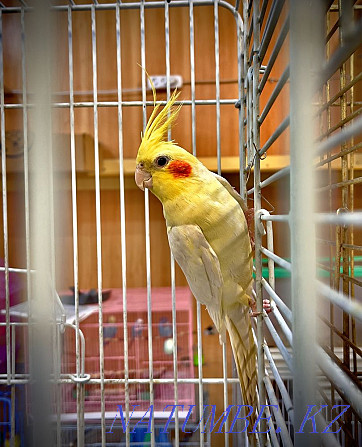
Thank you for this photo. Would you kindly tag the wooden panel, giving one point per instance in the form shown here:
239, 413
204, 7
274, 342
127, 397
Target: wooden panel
111, 242
131, 75
280, 108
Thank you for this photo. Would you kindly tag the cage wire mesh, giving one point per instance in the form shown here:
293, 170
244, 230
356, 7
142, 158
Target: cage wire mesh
271, 97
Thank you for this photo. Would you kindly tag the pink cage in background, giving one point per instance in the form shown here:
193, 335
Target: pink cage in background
138, 351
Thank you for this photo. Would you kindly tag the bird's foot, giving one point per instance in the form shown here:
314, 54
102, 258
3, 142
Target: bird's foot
266, 306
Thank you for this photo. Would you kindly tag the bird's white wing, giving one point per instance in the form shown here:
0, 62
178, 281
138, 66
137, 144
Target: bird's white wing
201, 267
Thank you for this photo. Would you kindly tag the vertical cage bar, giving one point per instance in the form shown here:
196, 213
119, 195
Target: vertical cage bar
345, 12
167, 56
57, 372
192, 75
5, 203
304, 63
344, 190
200, 362
13, 414
249, 118
246, 113
245, 86
13, 363
122, 216
194, 151
241, 99
98, 223
218, 151
175, 344
217, 84
225, 386
147, 227
172, 260
352, 191
330, 201
257, 206
13, 389
79, 386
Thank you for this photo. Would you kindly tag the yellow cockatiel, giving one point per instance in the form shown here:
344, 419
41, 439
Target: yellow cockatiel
208, 236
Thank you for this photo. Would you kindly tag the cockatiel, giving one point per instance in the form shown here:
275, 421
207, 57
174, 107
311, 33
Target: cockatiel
208, 236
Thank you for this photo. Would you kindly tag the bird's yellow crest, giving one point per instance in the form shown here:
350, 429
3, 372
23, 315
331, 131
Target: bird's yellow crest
158, 123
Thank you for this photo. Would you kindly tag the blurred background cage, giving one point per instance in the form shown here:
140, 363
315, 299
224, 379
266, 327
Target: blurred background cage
91, 297
138, 363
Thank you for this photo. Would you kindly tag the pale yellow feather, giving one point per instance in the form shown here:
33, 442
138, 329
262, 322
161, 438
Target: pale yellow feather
158, 124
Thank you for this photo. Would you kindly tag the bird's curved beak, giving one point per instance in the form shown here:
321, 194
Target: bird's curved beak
143, 178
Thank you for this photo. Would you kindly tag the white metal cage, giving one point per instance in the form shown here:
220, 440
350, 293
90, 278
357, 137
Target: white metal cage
297, 71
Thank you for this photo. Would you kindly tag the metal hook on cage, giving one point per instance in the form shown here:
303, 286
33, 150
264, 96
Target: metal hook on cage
82, 377
257, 153
60, 311
248, 171
259, 222
77, 379
63, 320
250, 166
343, 210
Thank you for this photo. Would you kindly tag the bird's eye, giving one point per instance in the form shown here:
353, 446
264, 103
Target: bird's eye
162, 161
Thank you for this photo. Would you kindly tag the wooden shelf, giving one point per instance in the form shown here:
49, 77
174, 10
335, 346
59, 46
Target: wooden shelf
271, 163
110, 166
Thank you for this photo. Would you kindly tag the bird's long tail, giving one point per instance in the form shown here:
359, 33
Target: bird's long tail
238, 325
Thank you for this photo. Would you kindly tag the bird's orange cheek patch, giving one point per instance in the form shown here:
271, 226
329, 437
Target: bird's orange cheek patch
180, 169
